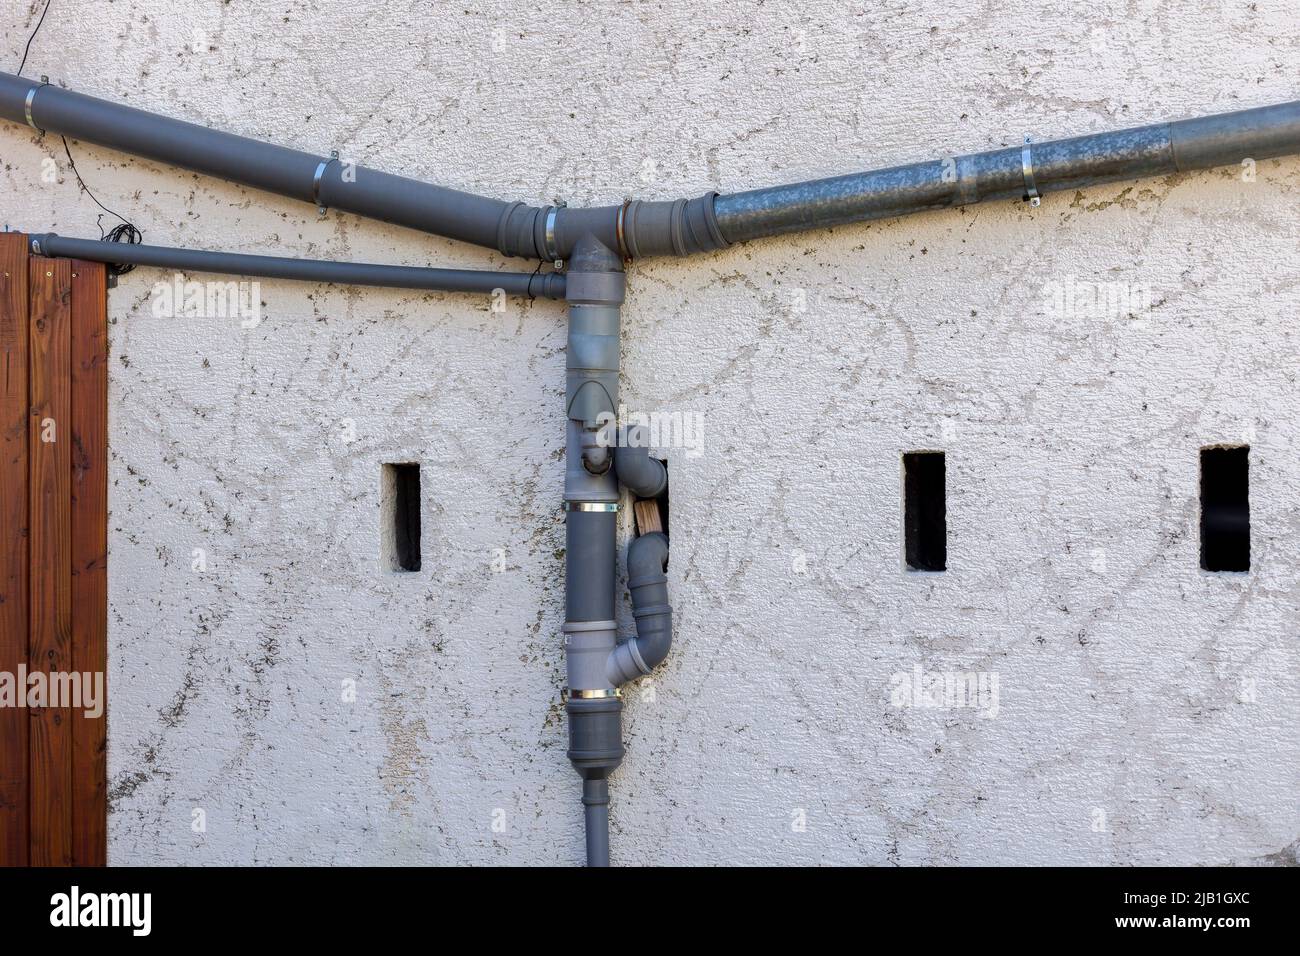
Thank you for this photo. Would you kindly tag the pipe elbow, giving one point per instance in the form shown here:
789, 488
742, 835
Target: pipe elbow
648, 585
644, 476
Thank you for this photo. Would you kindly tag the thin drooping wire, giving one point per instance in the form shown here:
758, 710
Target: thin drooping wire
28, 48
125, 231
531, 295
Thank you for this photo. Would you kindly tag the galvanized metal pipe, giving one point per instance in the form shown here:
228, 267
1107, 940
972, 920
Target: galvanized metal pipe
1019, 172
549, 285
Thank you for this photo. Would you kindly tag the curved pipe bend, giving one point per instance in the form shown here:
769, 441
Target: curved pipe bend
644, 476
648, 584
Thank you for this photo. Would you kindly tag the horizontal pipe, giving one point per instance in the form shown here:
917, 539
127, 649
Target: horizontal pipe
324, 180
548, 285
633, 228
1018, 172
683, 227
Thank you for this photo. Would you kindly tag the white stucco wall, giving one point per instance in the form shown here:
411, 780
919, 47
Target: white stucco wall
1147, 710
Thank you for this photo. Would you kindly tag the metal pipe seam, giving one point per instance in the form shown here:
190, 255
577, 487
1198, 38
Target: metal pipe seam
550, 285
1014, 172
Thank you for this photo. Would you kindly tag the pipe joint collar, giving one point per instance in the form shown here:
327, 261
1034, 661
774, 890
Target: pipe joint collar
626, 663
680, 227
587, 646
654, 609
595, 288
595, 736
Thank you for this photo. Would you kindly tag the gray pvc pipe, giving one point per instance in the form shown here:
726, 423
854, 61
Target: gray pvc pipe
289, 172
1013, 173
648, 585
681, 227
595, 802
548, 285
589, 560
633, 228
646, 477
594, 292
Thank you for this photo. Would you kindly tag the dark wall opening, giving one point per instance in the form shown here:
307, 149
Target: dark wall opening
925, 511
400, 495
1225, 509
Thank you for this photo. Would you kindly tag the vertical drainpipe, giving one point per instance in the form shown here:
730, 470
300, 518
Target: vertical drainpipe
594, 291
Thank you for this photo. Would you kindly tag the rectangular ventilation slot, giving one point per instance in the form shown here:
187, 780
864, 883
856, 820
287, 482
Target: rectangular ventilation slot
1225, 509
399, 501
925, 511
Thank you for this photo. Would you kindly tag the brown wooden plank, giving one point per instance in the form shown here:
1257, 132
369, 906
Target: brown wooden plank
49, 445
89, 556
648, 517
13, 542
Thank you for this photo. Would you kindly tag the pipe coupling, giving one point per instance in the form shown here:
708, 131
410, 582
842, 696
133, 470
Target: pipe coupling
587, 646
680, 228
626, 663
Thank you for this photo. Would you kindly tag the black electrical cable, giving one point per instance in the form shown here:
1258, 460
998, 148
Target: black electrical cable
28, 48
126, 231
531, 296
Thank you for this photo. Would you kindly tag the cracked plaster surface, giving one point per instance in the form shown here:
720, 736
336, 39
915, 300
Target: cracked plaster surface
1147, 710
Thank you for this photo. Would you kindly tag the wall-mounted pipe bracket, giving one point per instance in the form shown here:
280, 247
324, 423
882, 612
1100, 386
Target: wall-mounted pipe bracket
316, 179
1027, 170
550, 248
595, 693
30, 99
